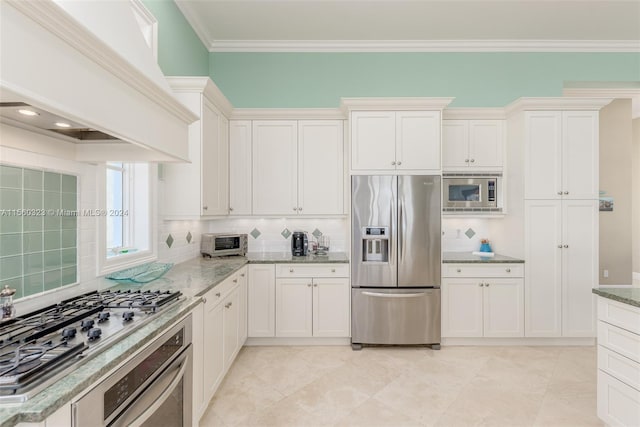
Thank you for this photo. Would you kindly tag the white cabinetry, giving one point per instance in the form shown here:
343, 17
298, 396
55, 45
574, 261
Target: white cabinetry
297, 167
312, 306
261, 293
472, 145
240, 167
561, 155
618, 363
395, 141
488, 305
562, 261
218, 334
200, 188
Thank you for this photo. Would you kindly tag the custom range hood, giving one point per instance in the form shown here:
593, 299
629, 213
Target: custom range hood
86, 64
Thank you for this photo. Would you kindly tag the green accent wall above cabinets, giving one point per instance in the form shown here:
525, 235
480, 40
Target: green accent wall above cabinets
180, 51
308, 80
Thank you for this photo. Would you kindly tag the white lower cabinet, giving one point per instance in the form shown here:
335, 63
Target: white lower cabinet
218, 335
618, 363
483, 306
261, 303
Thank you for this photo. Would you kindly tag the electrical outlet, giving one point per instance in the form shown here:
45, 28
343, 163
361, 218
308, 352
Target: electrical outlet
605, 273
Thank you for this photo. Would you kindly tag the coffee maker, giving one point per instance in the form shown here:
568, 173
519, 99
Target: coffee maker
299, 243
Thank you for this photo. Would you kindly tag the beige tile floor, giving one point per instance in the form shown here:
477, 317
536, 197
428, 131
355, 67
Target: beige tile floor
456, 386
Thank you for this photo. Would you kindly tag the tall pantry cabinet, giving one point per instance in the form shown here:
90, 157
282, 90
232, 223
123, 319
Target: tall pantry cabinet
555, 142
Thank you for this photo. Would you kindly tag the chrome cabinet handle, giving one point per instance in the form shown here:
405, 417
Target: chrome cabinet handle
458, 270
473, 160
566, 192
291, 270
508, 270
218, 294
299, 209
295, 209
559, 193
466, 160
204, 208
480, 284
227, 305
309, 285
560, 246
333, 270
566, 246
230, 209
204, 300
235, 280
486, 284
242, 275
399, 163
393, 163
315, 285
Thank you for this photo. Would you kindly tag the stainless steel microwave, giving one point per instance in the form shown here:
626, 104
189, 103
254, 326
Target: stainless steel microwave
223, 244
472, 193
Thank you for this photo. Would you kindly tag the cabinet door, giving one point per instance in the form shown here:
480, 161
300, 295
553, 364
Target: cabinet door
418, 140
503, 307
373, 135
197, 333
215, 161
261, 305
331, 307
461, 308
485, 144
293, 307
242, 307
580, 153
455, 144
240, 167
213, 355
275, 171
579, 267
543, 155
543, 257
230, 322
321, 167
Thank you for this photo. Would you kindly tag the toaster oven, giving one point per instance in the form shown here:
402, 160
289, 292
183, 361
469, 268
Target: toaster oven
223, 244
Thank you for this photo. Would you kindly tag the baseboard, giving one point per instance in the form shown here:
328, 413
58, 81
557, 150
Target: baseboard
587, 341
257, 341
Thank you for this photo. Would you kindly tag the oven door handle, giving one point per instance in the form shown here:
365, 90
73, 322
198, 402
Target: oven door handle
164, 396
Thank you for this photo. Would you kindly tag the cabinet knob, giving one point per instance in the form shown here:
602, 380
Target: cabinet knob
315, 285
333, 270
393, 163
566, 246
480, 284
458, 270
566, 192
399, 163
560, 246
235, 280
559, 193
486, 284
295, 209
299, 209
472, 160
227, 305
204, 300
218, 294
230, 209
291, 270
204, 208
242, 275
508, 270
466, 160
309, 284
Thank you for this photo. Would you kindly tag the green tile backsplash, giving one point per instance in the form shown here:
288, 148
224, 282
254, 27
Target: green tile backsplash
38, 244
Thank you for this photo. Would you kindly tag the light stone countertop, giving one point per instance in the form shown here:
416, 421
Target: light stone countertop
193, 278
469, 258
629, 296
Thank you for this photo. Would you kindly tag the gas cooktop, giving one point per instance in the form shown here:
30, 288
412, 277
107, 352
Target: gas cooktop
42, 346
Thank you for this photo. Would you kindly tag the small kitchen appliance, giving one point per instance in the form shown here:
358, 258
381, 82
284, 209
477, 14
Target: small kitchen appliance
223, 244
299, 243
472, 193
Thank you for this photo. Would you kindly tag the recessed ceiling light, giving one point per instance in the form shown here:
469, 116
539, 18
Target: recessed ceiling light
28, 112
63, 125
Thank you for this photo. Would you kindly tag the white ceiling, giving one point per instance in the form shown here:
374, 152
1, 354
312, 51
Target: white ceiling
388, 25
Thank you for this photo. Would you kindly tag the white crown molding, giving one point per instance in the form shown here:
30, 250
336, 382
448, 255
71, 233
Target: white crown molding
58, 22
473, 114
287, 114
412, 45
194, 20
557, 103
403, 104
205, 86
615, 93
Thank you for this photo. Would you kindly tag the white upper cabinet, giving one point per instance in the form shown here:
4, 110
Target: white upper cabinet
321, 167
200, 188
395, 141
469, 145
561, 155
298, 167
240, 167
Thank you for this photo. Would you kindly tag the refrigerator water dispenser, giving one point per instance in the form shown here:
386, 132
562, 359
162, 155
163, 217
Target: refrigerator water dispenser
375, 244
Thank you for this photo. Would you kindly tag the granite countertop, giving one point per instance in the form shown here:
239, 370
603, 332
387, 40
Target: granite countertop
629, 296
193, 278
287, 258
468, 257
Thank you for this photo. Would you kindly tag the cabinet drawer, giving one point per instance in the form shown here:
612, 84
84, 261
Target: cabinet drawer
312, 270
222, 289
619, 314
619, 340
618, 366
618, 404
482, 270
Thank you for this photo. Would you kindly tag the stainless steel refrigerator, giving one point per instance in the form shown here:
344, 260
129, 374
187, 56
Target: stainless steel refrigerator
395, 260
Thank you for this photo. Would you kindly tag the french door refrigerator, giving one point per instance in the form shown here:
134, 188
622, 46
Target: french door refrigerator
395, 259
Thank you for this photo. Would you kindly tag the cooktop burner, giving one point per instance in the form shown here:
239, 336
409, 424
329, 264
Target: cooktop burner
40, 347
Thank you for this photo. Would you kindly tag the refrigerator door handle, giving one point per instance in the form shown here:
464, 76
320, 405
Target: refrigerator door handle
381, 295
392, 257
400, 230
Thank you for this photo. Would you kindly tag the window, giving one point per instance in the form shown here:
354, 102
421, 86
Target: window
127, 225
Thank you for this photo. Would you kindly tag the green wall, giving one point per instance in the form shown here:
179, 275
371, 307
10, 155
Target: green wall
180, 51
474, 79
